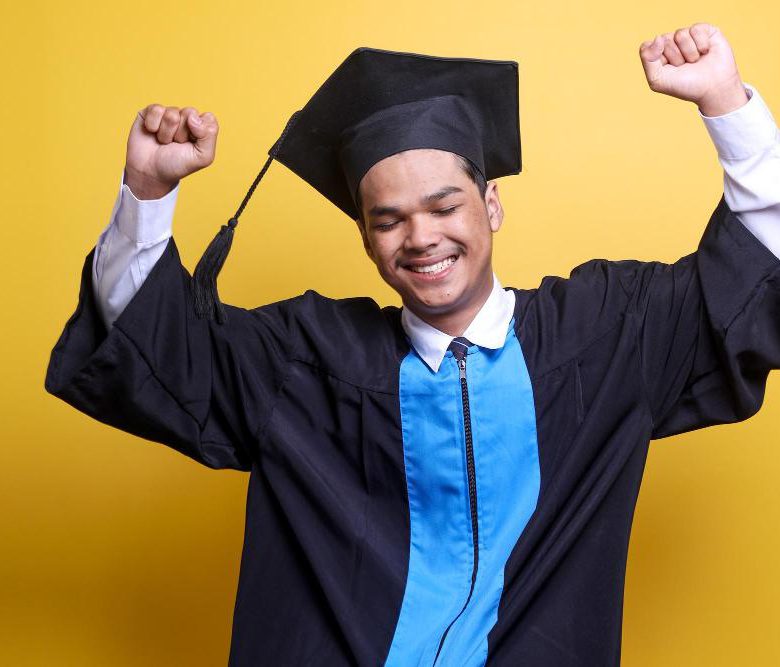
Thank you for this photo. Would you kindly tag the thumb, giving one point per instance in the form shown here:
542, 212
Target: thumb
651, 54
204, 128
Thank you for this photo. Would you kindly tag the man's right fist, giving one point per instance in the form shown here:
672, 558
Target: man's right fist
165, 145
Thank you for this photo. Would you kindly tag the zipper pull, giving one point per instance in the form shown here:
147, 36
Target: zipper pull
462, 367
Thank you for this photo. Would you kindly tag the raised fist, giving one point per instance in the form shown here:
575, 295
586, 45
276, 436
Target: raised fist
694, 64
165, 145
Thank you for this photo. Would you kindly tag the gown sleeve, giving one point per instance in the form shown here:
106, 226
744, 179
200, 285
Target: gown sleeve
708, 328
163, 374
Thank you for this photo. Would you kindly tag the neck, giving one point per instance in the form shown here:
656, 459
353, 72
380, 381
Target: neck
456, 322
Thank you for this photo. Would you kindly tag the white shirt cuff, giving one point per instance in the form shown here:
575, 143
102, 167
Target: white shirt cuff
744, 132
145, 221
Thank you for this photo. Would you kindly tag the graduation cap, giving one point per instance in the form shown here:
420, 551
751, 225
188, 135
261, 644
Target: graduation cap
375, 104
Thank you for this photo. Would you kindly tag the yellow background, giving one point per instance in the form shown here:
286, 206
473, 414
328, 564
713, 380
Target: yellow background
115, 551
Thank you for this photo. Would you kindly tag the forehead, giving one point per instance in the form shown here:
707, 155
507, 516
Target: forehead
411, 172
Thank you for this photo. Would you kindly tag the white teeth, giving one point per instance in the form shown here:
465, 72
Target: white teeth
433, 268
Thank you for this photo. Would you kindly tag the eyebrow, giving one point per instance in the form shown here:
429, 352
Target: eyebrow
427, 199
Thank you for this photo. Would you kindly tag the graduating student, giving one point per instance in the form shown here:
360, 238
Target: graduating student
452, 482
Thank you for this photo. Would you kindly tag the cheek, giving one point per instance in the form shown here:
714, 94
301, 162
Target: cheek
383, 250
473, 234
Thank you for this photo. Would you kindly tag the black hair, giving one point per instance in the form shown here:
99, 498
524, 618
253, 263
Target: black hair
473, 173
469, 168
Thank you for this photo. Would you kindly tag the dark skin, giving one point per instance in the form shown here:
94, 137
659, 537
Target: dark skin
430, 234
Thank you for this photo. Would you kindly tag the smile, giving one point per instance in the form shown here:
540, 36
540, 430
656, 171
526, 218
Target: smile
431, 271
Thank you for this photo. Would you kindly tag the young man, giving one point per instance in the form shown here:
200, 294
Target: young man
452, 482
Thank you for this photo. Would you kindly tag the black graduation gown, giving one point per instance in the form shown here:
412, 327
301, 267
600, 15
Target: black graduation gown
304, 394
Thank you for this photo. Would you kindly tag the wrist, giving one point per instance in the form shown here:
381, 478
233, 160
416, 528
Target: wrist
723, 101
145, 187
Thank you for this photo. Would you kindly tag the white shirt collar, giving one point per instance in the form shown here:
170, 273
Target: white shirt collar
488, 328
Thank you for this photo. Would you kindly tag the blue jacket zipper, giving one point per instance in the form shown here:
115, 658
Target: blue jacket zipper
472, 481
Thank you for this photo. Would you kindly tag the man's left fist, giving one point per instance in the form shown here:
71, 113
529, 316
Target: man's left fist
695, 64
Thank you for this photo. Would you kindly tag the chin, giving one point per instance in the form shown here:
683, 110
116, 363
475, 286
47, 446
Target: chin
433, 299
434, 305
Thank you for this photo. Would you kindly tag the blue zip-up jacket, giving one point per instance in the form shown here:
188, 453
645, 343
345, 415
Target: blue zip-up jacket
480, 515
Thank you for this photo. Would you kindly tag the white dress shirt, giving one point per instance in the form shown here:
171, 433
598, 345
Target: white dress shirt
747, 141
488, 328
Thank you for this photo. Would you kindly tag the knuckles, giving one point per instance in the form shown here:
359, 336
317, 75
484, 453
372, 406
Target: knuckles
155, 115
702, 28
171, 115
211, 122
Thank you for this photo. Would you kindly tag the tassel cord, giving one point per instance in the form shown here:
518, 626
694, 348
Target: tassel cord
207, 302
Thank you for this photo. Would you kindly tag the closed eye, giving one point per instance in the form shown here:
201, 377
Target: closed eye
385, 226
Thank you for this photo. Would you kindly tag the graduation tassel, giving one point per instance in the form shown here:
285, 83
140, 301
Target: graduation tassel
207, 303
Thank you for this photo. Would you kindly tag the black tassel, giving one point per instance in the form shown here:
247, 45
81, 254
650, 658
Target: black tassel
207, 303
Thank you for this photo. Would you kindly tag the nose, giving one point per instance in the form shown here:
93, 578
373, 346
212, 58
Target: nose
422, 233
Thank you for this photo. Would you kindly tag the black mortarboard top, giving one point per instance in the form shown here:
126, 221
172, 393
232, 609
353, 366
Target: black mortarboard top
375, 104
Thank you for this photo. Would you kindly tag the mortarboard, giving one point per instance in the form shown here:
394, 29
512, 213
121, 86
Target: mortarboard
375, 104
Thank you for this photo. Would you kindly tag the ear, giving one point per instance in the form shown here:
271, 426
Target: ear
364, 235
493, 205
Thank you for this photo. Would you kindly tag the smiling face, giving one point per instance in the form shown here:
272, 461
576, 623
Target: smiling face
430, 233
